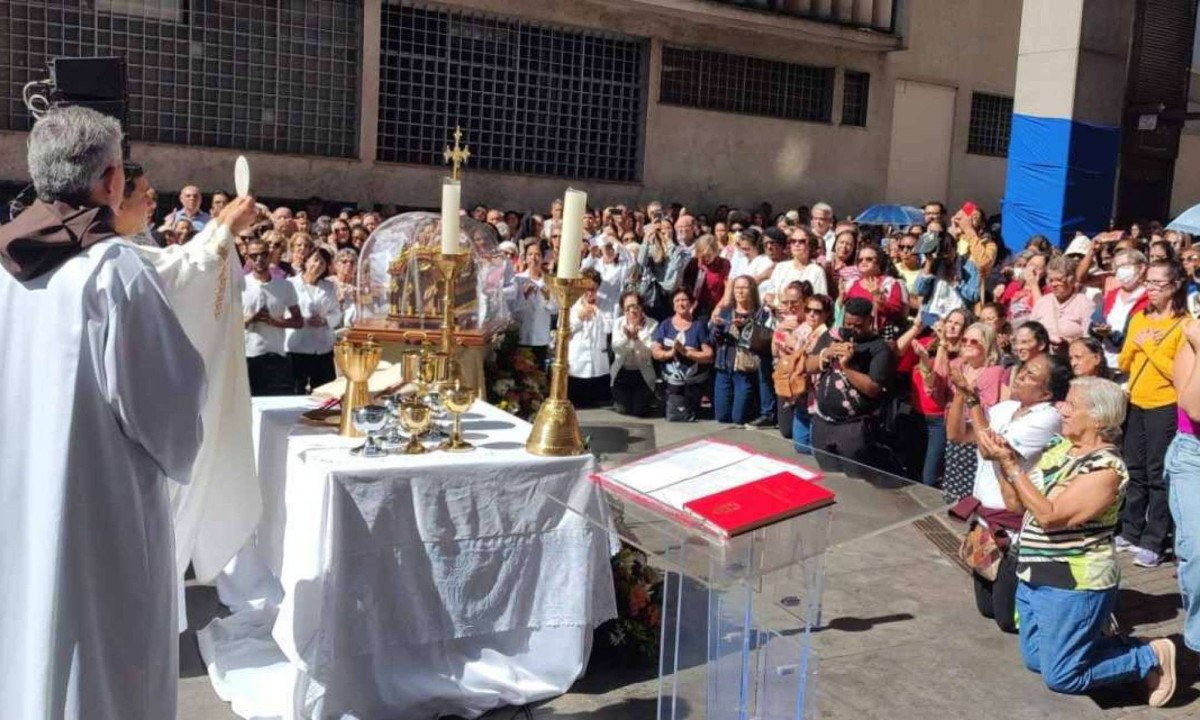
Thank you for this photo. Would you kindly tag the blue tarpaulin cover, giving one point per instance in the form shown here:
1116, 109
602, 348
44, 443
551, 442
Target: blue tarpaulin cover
1060, 179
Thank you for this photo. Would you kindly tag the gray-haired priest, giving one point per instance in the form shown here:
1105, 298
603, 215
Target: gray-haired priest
102, 399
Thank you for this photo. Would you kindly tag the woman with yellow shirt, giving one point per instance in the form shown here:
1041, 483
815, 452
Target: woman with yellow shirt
1147, 356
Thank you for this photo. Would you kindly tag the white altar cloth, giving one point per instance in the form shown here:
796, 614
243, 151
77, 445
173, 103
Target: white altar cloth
411, 586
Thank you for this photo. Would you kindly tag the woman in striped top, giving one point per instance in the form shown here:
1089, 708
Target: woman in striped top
1066, 562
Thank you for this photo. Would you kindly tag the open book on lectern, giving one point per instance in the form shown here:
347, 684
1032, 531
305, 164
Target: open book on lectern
724, 488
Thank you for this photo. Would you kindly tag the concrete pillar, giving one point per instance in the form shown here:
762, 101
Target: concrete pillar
1065, 141
368, 101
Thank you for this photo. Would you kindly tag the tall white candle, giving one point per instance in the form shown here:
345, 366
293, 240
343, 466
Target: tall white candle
570, 245
451, 200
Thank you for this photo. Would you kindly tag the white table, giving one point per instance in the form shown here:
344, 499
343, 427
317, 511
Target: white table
408, 586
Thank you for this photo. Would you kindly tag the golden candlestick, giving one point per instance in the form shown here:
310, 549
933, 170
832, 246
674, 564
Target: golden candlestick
556, 427
356, 360
449, 266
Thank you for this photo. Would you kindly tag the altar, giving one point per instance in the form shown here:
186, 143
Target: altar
409, 586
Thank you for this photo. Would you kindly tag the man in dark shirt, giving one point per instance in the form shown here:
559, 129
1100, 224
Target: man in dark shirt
854, 366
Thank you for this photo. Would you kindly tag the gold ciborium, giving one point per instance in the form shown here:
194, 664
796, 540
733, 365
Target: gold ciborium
356, 360
556, 427
415, 417
458, 400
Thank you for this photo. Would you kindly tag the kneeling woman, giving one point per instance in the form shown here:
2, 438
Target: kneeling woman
682, 345
633, 367
1066, 560
588, 382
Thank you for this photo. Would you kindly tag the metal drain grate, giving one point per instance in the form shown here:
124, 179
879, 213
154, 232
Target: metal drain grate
942, 537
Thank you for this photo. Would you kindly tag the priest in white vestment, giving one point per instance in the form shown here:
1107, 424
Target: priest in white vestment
103, 393
215, 514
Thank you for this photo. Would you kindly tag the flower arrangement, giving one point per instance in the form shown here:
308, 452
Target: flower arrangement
516, 382
634, 634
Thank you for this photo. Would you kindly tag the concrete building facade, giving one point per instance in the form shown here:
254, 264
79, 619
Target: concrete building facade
913, 100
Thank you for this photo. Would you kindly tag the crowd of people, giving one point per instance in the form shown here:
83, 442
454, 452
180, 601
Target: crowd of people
1044, 391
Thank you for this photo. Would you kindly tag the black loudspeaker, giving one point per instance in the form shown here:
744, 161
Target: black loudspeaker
94, 82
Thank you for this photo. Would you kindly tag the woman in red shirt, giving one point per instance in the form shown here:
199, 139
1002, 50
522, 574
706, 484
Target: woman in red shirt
705, 276
885, 293
927, 359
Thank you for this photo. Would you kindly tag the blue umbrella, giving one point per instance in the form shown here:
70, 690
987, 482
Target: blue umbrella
1188, 221
890, 215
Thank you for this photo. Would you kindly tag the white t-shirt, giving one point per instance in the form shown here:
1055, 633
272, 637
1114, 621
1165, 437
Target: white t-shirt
1118, 316
1028, 434
315, 300
532, 311
276, 296
787, 273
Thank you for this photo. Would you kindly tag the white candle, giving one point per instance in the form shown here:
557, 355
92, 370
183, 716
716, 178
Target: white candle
451, 199
570, 245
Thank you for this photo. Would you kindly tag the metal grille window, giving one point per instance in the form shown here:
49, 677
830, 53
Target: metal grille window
530, 98
855, 89
271, 75
991, 124
736, 83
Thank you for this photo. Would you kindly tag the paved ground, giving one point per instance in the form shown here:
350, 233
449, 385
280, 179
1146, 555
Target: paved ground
900, 637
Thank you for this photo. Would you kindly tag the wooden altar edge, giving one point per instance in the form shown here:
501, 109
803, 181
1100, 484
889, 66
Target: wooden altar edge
416, 337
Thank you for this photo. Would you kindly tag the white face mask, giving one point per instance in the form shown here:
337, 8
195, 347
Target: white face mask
1126, 274
1018, 272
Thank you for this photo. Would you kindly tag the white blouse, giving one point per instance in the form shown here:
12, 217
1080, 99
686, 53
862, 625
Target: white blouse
634, 353
588, 348
533, 311
318, 300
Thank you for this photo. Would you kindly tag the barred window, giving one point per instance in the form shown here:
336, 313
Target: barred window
530, 98
736, 83
272, 75
991, 124
855, 89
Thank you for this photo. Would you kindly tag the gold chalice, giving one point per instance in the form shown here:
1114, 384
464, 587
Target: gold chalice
458, 400
416, 417
356, 360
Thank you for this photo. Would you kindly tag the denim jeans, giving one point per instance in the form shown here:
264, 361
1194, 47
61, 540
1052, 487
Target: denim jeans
733, 396
1061, 638
935, 449
766, 387
802, 427
1183, 483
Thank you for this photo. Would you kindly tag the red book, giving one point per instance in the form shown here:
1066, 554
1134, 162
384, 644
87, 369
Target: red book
762, 502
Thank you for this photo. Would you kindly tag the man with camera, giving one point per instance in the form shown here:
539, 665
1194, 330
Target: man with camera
103, 399
854, 366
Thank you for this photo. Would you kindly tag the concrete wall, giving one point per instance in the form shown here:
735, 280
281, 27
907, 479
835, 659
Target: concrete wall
694, 156
1186, 191
969, 45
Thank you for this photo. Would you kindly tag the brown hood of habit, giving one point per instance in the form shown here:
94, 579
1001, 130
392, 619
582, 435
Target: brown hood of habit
47, 234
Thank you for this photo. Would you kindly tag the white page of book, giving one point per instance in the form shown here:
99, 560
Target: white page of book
677, 465
753, 467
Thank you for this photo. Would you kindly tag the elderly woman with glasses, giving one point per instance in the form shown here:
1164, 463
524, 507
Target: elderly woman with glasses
1064, 309
632, 374
1126, 299
344, 278
1154, 338
1066, 559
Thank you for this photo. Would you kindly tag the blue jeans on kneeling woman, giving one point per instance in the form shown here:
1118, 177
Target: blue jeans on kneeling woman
1061, 638
802, 427
733, 396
